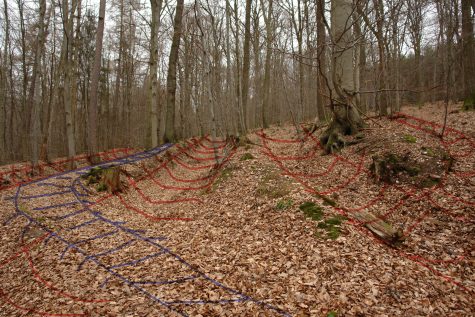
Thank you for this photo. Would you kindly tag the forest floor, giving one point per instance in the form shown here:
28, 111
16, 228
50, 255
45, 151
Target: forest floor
250, 236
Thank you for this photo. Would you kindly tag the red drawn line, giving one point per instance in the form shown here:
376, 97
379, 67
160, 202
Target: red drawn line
200, 142
148, 199
185, 180
49, 285
207, 138
19, 253
204, 159
194, 147
5, 297
147, 215
424, 194
263, 135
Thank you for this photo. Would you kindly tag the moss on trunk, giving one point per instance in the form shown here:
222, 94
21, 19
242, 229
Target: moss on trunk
345, 121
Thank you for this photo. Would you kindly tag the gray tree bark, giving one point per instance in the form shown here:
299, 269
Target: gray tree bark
33, 103
170, 134
153, 103
346, 119
96, 70
468, 53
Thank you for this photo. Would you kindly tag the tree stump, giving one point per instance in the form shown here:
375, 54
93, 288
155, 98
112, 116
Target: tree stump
111, 179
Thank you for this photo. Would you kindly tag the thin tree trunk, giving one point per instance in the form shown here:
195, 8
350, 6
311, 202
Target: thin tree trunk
468, 54
96, 69
33, 104
246, 62
153, 104
170, 135
267, 65
4, 87
320, 59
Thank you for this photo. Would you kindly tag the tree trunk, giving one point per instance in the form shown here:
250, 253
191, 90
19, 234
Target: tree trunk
96, 70
68, 22
267, 67
4, 86
320, 59
170, 135
468, 54
346, 119
33, 104
153, 104
246, 63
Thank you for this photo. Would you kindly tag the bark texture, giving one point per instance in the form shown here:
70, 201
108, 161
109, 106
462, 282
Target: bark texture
92, 111
346, 119
170, 134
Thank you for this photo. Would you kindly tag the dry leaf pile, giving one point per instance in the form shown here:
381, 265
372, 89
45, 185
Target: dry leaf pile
190, 236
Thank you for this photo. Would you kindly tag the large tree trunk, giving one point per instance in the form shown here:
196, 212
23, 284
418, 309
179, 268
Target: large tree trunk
4, 85
34, 105
68, 22
346, 119
153, 104
320, 59
468, 43
267, 67
92, 110
171, 77
246, 63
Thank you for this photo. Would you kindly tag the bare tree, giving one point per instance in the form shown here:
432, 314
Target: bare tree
153, 103
170, 134
267, 67
346, 119
68, 25
33, 103
246, 63
96, 69
468, 53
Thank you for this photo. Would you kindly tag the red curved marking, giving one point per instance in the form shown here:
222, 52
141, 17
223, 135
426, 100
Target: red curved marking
207, 138
192, 168
263, 135
200, 142
316, 175
308, 156
466, 202
194, 147
49, 285
154, 179
5, 297
147, 215
371, 202
199, 158
446, 211
185, 180
19, 253
148, 199
417, 260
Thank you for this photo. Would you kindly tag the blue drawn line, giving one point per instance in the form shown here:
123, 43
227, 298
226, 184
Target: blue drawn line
150, 241
49, 184
202, 302
57, 206
179, 280
114, 250
71, 214
46, 195
96, 261
138, 261
87, 223
100, 236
